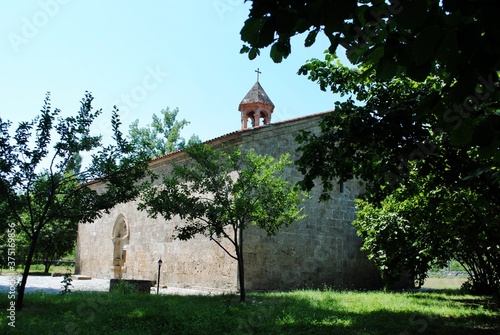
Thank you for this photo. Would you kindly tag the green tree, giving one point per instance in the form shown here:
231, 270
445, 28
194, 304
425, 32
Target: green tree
59, 238
219, 194
373, 135
75, 165
19, 244
55, 241
403, 39
162, 136
431, 220
425, 93
426, 199
36, 198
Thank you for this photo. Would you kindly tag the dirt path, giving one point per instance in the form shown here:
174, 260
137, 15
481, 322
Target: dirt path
50, 284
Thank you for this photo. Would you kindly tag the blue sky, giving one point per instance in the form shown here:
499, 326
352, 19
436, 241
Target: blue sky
144, 56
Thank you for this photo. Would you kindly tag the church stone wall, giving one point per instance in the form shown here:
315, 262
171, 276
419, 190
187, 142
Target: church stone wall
198, 263
322, 249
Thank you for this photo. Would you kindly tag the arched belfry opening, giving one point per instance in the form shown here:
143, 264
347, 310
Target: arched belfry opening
256, 107
120, 238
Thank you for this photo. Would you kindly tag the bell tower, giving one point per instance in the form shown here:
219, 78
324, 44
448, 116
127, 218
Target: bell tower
256, 106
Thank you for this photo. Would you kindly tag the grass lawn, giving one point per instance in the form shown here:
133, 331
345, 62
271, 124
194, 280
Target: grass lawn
444, 283
38, 270
298, 312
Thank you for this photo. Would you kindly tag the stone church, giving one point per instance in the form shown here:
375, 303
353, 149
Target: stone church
321, 250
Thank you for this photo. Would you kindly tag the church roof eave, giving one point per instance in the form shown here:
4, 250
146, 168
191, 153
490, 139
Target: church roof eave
228, 136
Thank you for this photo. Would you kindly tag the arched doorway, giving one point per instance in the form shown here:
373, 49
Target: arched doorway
120, 238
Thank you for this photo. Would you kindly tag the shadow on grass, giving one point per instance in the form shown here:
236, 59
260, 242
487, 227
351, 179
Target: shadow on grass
461, 297
280, 313
332, 315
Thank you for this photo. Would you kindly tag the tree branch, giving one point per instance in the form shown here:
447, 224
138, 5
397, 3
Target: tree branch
223, 248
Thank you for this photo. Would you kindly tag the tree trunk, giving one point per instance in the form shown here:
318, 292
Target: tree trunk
241, 272
29, 260
47, 265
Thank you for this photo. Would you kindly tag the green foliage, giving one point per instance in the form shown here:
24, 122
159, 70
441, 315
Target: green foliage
55, 241
162, 136
427, 200
428, 221
219, 194
59, 237
299, 312
66, 283
123, 287
403, 39
42, 187
374, 141
22, 244
393, 242
75, 165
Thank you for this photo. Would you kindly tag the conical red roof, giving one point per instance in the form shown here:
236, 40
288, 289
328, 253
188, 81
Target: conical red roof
256, 94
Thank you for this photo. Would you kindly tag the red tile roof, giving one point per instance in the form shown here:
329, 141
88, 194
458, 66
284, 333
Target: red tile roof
228, 135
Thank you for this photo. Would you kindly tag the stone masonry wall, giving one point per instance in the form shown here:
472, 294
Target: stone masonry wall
198, 263
322, 249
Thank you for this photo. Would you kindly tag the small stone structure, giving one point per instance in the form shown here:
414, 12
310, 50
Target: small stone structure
321, 250
142, 286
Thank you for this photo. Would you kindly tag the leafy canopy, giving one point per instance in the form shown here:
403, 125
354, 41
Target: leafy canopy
57, 238
427, 201
456, 39
437, 217
374, 140
215, 190
420, 126
218, 194
162, 136
37, 190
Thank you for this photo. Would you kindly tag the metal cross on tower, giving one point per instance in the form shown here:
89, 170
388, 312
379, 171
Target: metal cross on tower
258, 72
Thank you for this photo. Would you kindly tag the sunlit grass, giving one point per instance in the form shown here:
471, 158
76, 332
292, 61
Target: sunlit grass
298, 312
444, 283
38, 269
